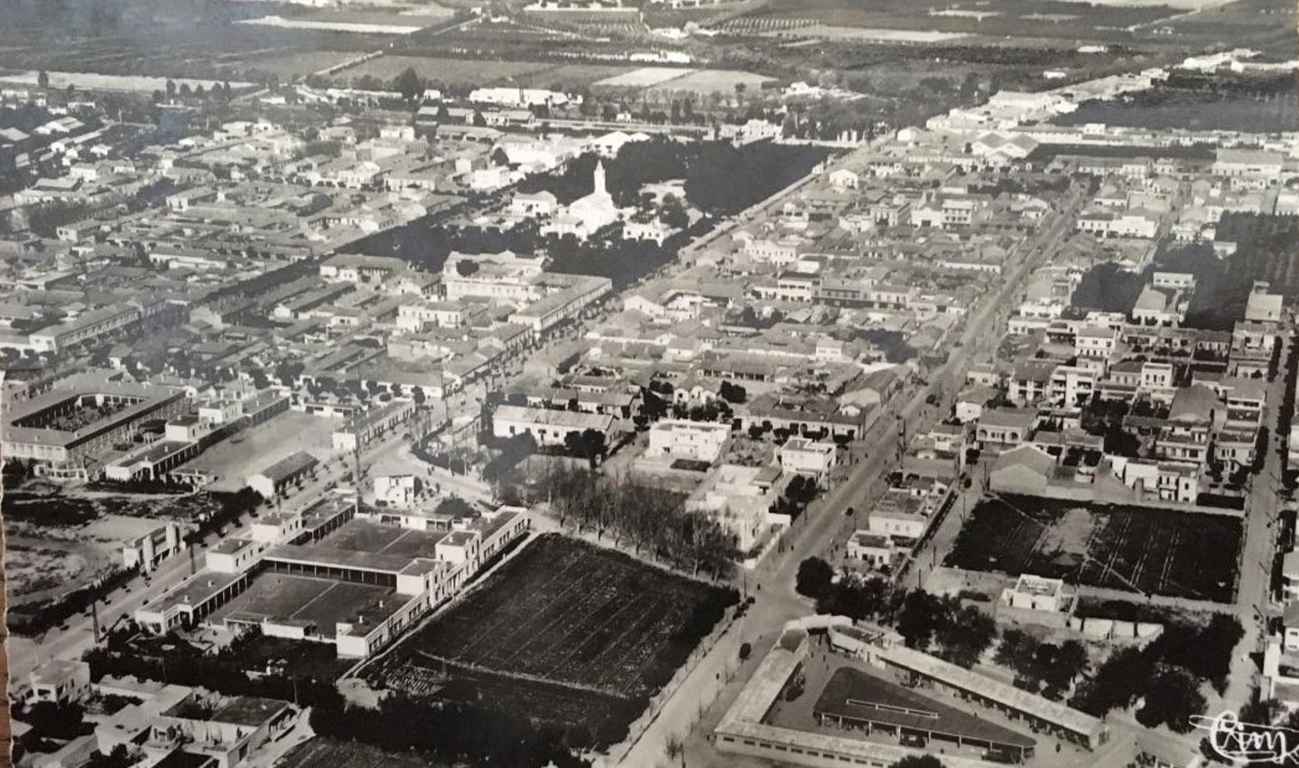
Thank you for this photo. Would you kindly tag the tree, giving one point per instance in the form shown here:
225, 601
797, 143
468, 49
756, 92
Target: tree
919, 618
409, 85
118, 758
1172, 699
171, 90
918, 761
43, 79
814, 578
966, 635
673, 213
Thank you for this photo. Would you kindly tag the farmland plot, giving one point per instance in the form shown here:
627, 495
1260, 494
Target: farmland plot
565, 632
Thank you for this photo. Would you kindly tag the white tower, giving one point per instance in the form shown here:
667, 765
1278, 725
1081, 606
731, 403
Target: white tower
600, 188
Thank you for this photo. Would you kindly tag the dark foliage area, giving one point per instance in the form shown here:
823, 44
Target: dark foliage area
720, 178
1167, 672
445, 732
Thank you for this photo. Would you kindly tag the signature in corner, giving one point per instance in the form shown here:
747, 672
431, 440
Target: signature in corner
1240, 742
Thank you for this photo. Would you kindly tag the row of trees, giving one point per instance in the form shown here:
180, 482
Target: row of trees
650, 519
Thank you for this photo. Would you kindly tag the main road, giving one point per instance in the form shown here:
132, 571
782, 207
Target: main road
777, 601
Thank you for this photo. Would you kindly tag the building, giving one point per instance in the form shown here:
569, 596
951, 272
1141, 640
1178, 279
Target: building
873, 549
151, 548
276, 478
396, 490
360, 269
368, 426
693, 440
740, 499
1002, 428
71, 426
1036, 593
810, 458
745, 730
58, 681
548, 427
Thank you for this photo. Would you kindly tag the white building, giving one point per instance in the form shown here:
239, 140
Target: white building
696, 440
810, 458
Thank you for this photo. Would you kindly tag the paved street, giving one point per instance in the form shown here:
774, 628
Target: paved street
773, 584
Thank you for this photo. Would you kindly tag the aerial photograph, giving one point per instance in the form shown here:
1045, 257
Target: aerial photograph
649, 383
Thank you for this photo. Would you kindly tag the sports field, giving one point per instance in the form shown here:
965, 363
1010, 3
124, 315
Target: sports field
566, 633
1135, 549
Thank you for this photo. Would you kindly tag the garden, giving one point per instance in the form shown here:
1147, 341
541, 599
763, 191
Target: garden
1133, 549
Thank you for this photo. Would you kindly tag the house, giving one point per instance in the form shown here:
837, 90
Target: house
58, 681
872, 549
843, 178
533, 205
1003, 428
970, 402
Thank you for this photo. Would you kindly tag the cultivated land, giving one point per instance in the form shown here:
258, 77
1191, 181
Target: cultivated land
1136, 549
706, 81
327, 753
444, 70
565, 632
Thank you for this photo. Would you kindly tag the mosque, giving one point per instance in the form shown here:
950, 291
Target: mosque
584, 216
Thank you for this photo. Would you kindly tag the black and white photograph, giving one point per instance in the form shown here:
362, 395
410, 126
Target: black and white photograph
649, 383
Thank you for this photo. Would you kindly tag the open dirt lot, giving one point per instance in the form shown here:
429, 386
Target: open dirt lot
252, 450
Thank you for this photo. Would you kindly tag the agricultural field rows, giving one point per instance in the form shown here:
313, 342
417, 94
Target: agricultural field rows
1135, 549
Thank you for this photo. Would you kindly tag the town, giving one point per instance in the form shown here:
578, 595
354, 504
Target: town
678, 383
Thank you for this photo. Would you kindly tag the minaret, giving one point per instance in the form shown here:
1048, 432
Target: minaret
600, 188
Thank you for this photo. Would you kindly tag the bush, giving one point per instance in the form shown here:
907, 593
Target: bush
745, 651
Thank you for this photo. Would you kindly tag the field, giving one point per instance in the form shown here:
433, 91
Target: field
252, 450
1135, 549
92, 82
291, 65
566, 633
1258, 104
994, 21
327, 753
645, 77
447, 71
706, 81
202, 39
